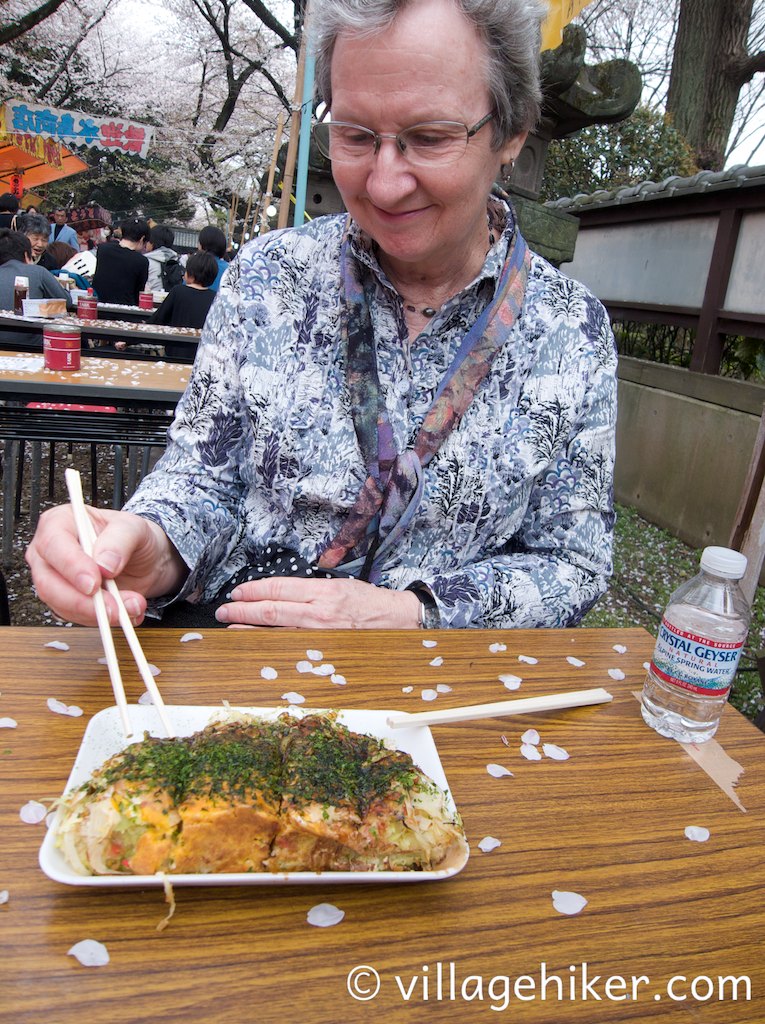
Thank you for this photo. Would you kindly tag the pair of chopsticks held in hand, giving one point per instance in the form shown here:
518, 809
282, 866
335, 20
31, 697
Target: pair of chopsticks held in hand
87, 534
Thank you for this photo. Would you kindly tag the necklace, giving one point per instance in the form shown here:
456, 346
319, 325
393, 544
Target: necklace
429, 311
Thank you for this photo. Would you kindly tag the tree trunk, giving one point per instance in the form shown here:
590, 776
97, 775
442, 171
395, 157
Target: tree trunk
710, 52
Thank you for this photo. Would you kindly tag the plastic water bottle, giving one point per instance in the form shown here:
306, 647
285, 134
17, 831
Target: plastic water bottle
700, 639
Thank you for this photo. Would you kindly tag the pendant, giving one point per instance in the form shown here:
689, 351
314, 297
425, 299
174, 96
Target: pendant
428, 311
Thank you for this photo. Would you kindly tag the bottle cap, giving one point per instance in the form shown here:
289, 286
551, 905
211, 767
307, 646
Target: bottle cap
723, 562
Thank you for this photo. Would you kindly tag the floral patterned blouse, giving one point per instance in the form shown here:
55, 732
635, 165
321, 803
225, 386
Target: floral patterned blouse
515, 524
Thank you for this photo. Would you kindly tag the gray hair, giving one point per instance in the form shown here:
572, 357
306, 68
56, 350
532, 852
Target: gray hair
510, 30
34, 224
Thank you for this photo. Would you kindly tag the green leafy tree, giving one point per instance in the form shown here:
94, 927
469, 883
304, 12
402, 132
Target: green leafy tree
126, 186
645, 147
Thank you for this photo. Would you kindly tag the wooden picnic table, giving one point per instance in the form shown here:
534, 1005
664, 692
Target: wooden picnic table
666, 917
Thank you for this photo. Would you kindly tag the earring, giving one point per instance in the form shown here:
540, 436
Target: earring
507, 170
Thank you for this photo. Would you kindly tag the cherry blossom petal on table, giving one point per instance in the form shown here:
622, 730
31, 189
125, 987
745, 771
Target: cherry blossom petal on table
576, 662
504, 739
619, 648
530, 752
4, 896
146, 698
555, 753
437, 662
57, 645
568, 902
488, 843
8, 723
443, 688
323, 670
697, 833
498, 771
59, 708
407, 689
530, 736
293, 698
616, 673
314, 655
267, 672
430, 643
304, 666
90, 953
155, 671
646, 665
33, 812
527, 659
50, 817
325, 915
338, 679
187, 637
497, 648
510, 682
429, 694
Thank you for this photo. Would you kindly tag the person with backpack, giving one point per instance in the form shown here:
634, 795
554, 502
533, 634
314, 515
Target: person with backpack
9, 208
165, 270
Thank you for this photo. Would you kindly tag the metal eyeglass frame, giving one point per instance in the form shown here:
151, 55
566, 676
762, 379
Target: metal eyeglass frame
396, 137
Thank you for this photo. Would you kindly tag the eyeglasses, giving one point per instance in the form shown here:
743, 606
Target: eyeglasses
427, 144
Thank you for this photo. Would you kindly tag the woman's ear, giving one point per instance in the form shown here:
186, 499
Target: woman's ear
511, 148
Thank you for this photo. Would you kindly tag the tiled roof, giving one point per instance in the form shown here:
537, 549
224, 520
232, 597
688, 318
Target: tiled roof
705, 181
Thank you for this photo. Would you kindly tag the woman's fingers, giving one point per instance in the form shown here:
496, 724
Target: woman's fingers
320, 604
66, 578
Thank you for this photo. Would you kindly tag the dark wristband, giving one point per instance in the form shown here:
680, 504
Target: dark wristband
429, 616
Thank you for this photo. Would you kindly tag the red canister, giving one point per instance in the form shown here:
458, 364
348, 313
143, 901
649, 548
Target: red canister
146, 300
61, 347
87, 307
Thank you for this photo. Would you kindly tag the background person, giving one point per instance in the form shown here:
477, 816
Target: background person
405, 393
159, 253
60, 253
9, 208
35, 227
212, 240
122, 269
60, 231
187, 304
16, 261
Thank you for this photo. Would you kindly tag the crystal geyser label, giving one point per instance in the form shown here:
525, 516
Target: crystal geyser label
695, 663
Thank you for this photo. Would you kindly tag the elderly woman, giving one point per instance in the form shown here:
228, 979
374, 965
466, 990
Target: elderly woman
399, 417
37, 228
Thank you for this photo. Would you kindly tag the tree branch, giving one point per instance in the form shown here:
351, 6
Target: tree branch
744, 70
45, 88
271, 22
23, 25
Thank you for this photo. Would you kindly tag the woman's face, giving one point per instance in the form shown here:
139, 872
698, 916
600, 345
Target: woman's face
428, 66
39, 245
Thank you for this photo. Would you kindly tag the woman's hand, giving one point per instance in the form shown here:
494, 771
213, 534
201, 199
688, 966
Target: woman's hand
128, 548
320, 604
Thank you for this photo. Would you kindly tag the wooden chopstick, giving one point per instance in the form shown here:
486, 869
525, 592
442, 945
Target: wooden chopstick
523, 706
87, 535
